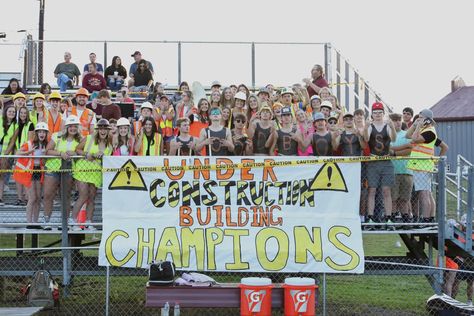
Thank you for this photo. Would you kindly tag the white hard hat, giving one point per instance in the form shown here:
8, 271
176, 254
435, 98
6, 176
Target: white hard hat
240, 95
146, 105
123, 122
71, 120
41, 126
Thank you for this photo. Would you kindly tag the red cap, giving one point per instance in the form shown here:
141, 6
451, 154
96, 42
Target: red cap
377, 106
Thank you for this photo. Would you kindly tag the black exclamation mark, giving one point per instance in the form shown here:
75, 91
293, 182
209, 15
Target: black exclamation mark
329, 176
129, 174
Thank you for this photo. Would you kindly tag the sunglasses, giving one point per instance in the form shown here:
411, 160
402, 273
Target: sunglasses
332, 122
215, 112
239, 121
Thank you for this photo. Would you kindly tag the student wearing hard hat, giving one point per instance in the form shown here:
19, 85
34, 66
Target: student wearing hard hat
86, 116
32, 180
146, 110
39, 113
62, 144
123, 141
93, 148
55, 121
19, 100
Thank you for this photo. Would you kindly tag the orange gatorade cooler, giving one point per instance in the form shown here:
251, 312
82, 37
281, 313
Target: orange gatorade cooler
255, 296
300, 296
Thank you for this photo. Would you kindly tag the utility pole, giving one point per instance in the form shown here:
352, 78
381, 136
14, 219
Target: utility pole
40, 41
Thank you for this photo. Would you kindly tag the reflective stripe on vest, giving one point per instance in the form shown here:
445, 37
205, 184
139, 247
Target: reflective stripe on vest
154, 149
166, 127
85, 119
423, 151
137, 126
53, 126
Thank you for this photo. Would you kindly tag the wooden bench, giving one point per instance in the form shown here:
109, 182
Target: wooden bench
226, 295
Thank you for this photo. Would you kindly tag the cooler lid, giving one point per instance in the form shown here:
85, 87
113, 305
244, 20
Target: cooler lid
256, 281
300, 281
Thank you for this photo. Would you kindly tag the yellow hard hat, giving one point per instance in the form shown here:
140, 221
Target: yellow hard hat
39, 96
55, 95
19, 95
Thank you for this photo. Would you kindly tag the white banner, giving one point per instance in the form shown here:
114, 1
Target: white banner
273, 214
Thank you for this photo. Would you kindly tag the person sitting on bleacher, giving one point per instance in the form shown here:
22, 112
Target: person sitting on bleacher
115, 74
67, 72
98, 66
93, 81
142, 79
137, 56
9, 92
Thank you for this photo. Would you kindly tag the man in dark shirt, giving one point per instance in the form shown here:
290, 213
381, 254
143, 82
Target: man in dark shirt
378, 134
318, 81
109, 110
66, 72
93, 81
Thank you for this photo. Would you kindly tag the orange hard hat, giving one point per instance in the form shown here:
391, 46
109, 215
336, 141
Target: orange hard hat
82, 91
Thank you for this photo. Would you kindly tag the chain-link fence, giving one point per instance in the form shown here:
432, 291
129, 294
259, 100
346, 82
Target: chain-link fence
401, 243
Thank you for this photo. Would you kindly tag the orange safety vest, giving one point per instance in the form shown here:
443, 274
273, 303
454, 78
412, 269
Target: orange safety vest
85, 119
137, 126
54, 127
166, 127
24, 166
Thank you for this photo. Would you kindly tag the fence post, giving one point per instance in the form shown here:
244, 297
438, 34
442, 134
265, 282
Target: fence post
179, 63
324, 294
470, 204
105, 55
441, 213
64, 233
253, 65
327, 62
107, 291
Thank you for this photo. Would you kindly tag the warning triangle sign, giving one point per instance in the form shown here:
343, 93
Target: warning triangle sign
128, 179
329, 178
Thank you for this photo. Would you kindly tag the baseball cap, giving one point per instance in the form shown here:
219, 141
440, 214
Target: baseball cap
286, 111
395, 116
318, 116
377, 106
164, 96
348, 115
287, 91
263, 90
427, 113
136, 53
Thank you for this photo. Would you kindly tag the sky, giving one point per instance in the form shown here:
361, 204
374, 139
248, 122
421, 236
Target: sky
408, 51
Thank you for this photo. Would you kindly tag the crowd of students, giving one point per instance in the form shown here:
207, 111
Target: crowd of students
302, 120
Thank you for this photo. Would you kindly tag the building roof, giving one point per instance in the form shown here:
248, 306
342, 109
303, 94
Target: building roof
456, 106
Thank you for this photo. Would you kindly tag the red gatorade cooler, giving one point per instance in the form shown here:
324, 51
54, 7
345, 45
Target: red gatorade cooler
300, 295
255, 296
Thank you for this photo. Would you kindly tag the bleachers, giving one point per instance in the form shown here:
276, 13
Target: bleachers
5, 78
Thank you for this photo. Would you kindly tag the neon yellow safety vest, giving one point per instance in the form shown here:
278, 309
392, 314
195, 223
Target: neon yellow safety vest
424, 151
6, 136
23, 137
93, 177
60, 145
154, 149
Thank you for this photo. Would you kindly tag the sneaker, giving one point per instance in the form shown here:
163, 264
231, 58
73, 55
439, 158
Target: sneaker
73, 225
369, 227
469, 302
46, 225
70, 85
2, 203
89, 226
389, 225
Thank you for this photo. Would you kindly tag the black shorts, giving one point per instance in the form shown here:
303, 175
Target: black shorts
36, 175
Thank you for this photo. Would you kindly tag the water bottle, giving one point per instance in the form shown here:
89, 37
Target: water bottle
165, 311
176, 311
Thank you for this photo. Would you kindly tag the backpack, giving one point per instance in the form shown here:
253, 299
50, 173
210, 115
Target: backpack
161, 273
40, 292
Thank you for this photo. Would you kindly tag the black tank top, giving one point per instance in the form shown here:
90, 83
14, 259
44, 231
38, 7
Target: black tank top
286, 145
350, 145
379, 142
185, 150
260, 138
217, 148
322, 145
240, 144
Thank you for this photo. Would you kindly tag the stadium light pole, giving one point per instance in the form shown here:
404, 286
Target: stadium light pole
40, 40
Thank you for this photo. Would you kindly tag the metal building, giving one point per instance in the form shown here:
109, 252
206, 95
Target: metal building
454, 115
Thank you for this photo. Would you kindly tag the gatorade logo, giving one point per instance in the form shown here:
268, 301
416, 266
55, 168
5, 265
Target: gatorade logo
300, 300
254, 299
